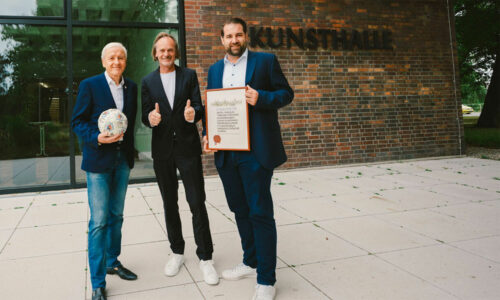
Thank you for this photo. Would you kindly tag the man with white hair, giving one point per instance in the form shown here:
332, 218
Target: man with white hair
107, 161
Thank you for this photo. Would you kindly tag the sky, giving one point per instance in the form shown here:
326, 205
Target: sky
18, 7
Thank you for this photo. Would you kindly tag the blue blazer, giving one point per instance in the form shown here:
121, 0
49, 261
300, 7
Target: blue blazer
94, 97
263, 74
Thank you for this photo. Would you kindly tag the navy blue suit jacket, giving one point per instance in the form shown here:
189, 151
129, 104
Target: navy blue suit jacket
263, 74
94, 97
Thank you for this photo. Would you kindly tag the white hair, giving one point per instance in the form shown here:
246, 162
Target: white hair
111, 45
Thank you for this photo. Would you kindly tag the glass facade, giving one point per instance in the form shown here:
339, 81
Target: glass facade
34, 125
163, 11
38, 8
44, 55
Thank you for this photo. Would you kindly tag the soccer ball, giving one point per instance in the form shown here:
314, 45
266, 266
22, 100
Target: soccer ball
112, 121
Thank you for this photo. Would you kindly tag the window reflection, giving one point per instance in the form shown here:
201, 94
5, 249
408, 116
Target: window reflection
34, 125
164, 11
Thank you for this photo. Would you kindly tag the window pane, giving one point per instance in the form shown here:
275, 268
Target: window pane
87, 47
34, 125
163, 11
39, 8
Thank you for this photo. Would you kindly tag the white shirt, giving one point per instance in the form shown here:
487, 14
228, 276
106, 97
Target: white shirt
234, 73
116, 91
168, 82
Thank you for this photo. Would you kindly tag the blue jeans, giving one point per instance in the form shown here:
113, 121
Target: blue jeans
106, 193
247, 185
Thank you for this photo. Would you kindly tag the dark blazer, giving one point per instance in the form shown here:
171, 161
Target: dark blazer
94, 97
263, 74
172, 118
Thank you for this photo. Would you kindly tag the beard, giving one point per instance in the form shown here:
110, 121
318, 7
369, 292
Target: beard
237, 52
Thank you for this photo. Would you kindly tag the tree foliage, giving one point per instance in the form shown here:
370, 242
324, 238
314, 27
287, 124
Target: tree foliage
478, 35
477, 24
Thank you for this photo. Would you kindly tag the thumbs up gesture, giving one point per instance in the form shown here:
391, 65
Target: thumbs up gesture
189, 112
155, 116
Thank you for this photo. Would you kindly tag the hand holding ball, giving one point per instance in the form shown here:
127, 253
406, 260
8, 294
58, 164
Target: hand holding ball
112, 124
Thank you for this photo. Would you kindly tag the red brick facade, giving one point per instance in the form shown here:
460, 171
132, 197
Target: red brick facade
355, 105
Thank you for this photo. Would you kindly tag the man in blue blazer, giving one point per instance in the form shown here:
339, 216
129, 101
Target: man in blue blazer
107, 161
246, 176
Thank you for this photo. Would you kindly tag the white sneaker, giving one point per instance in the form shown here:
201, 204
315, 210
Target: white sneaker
239, 271
264, 292
173, 266
209, 274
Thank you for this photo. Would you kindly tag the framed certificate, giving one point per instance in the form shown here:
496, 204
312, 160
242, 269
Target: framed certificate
227, 119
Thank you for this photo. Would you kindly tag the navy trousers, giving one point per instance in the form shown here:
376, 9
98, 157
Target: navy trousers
247, 186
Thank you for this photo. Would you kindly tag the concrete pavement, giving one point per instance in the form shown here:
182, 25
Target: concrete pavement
423, 229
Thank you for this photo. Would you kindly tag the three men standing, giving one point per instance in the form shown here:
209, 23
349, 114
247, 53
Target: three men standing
246, 176
171, 105
107, 161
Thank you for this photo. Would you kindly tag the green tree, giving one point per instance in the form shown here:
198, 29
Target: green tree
478, 39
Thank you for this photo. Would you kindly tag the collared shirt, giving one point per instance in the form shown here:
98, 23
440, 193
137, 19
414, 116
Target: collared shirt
168, 82
116, 91
234, 73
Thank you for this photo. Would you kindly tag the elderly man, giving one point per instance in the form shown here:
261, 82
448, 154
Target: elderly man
107, 161
171, 105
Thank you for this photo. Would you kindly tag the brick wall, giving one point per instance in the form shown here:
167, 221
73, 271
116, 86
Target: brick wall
356, 105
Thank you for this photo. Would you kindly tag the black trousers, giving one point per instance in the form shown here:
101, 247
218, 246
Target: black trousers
191, 172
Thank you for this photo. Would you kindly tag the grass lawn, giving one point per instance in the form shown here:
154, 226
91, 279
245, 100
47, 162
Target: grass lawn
470, 120
482, 137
